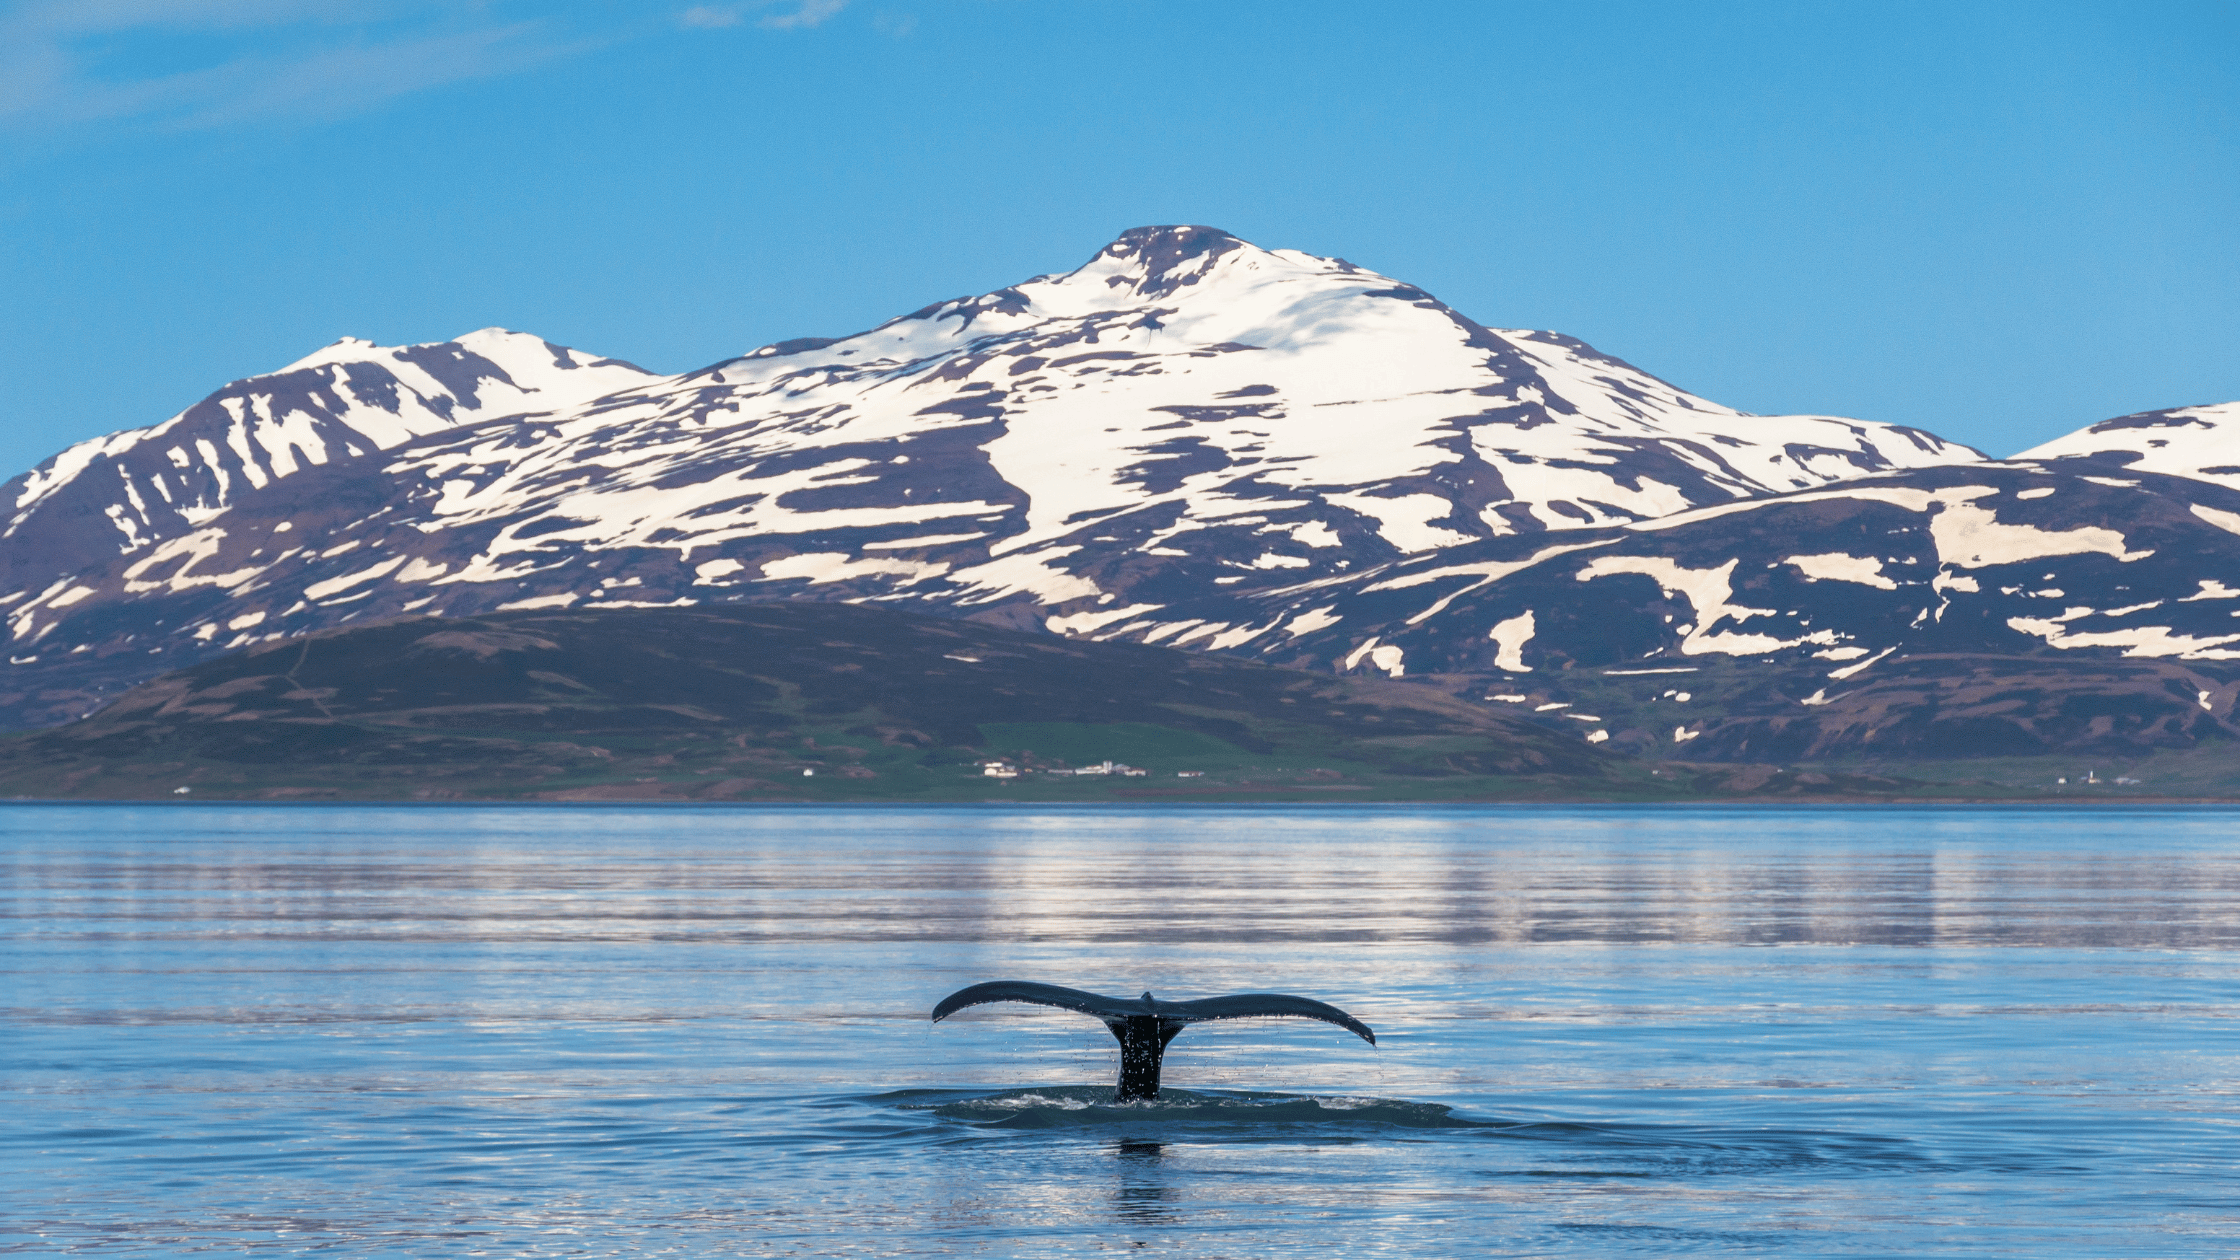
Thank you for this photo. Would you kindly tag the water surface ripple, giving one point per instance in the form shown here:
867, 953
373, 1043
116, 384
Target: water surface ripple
622, 1031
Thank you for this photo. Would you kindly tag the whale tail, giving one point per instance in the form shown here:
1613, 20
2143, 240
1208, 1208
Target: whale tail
1145, 1025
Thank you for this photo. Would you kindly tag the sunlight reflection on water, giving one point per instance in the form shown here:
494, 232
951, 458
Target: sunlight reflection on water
615, 1030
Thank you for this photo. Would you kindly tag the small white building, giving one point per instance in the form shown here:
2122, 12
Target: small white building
1106, 767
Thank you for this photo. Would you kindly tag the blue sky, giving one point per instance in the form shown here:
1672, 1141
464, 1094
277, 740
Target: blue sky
1996, 221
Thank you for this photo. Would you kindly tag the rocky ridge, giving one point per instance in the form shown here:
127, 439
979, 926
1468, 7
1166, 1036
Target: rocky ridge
1189, 441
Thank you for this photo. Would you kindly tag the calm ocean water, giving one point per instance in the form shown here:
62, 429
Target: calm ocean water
609, 1031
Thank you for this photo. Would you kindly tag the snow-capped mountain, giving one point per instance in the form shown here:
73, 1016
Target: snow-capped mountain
2001, 608
2009, 557
2201, 442
1184, 412
1189, 440
119, 495
1184, 394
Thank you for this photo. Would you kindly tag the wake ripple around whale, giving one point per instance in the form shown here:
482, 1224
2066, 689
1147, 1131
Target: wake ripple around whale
1091, 1107
1538, 1148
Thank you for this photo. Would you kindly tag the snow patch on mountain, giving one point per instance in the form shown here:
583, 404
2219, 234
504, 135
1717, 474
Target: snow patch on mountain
2200, 442
1972, 536
1181, 385
1837, 566
1710, 593
1188, 440
346, 401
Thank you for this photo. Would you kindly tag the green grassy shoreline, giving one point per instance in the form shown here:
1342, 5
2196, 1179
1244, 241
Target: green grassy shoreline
801, 703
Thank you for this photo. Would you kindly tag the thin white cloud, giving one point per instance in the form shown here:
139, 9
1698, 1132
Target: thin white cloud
797, 15
710, 17
69, 61
74, 17
66, 64
344, 81
809, 13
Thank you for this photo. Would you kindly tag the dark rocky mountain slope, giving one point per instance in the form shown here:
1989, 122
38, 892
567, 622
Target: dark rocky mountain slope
1183, 417
1998, 609
116, 497
732, 702
2004, 558
1191, 442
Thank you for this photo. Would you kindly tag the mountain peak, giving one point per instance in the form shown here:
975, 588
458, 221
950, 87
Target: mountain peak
340, 350
1155, 261
1183, 418
2202, 442
341, 402
1172, 240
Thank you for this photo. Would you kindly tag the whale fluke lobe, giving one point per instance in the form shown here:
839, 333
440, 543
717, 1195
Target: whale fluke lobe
1096, 1004
1145, 1025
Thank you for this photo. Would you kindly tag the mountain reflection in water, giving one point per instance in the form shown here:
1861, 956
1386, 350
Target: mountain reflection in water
611, 1030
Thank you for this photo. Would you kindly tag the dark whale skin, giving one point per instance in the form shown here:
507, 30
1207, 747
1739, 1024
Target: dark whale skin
1145, 1025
